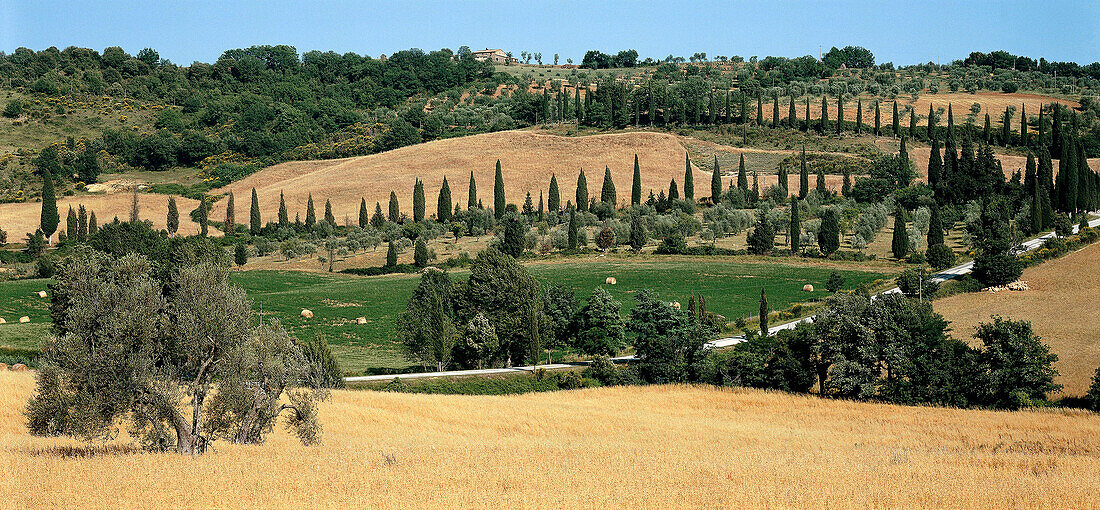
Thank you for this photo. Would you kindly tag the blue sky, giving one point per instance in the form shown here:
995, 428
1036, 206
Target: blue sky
901, 32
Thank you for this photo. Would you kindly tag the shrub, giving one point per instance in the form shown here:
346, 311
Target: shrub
940, 256
834, 282
672, 244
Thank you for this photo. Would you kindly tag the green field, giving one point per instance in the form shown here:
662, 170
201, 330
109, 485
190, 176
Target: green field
731, 288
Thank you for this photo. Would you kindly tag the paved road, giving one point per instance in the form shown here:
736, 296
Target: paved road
945, 275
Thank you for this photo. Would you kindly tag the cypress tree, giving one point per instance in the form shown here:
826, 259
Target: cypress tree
49, 217
1084, 194
903, 162
726, 111
82, 229
528, 206
471, 200
795, 226
638, 236
899, 245
775, 111
759, 110
1031, 180
418, 201
839, 114
846, 189
395, 209
755, 195
792, 119
240, 253
378, 220
204, 216
689, 181
582, 192
173, 220
1047, 209
1039, 140
878, 120
254, 215
950, 122
72, 228
311, 214
897, 121
230, 216
828, 236
636, 186
935, 227
541, 206
134, 208
742, 177
1036, 210
553, 202
283, 219
935, 165
821, 188
607, 192
329, 218
1023, 126
913, 123
987, 132
443, 203
803, 176
824, 113
92, 226
391, 255
806, 126
859, 116
784, 180
673, 191
715, 182
1006, 128
1067, 177
763, 313
574, 230
930, 129
498, 193
364, 215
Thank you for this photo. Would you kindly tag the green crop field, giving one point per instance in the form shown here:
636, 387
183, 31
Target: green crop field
731, 288
19, 298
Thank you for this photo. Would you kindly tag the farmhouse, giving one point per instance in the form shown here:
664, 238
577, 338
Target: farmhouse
497, 56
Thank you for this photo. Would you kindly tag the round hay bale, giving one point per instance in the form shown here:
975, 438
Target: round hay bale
676, 305
19, 367
3, 366
307, 313
2, 321
360, 320
808, 288
610, 280
24, 319
41, 293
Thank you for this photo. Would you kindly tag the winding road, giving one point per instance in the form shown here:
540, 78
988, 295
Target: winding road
945, 275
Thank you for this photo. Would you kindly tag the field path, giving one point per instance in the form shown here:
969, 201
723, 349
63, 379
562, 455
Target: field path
942, 276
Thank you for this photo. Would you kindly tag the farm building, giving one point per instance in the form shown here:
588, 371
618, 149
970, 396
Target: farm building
497, 56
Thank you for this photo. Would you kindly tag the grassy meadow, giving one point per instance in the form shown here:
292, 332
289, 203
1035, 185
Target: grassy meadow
636, 447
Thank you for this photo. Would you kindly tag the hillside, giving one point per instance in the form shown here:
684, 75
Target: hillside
658, 446
527, 160
1061, 306
19, 219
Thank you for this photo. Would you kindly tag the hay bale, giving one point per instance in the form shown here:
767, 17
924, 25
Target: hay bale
676, 305
24, 319
2, 321
307, 313
360, 320
610, 280
3, 366
19, 367
807, 288
42, 293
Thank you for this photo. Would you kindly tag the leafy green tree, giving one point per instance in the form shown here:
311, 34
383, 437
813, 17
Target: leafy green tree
638, 235
443, 203
49, 217
498, 193
716, 183
254, 225
600, 328
669, 345
284, 220
824, 114
395, 209
1020, 368
507, 294
828, 236
173, 220
795, 229
561, 308
311, 213
935, 165
607, 193
426, 326
582, 192
762, 238
553, 200
391, 255
240, 254
899, 244
636, 186
992, 238
514, 242
420, 253
834, 282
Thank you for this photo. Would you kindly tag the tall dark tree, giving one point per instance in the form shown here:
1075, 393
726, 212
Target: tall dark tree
775, 111
950, 122
913, 122
828, 236
254, 225
173, 220
673, 191
899, 244
394, 209
49, 216
93, 227
935, 165
391, 255
839, 114
1040, 138
553, 201
822, 189
364, 215
582, 192
689, 181
638, 235
935, 227
82, 228
498, 193
742, 177
878, 120
311, 213
897, 122
987, 131
72, 225
803, 176
846, 187
784, 180
763, 312
930, 126
822, 127
443, 207
230, 216
284, 219
795, 227
903, 164
418, 201
759, 110
471, 198
792, 118
607, 192
636, 186
859, 116
204, 216
716, 183
329, 217
806, 126
378, 220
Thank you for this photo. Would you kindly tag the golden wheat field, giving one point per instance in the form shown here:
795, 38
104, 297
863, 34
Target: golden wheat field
624, 447
1061, 306
527, 161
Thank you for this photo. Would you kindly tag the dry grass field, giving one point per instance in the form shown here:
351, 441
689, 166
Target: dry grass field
1009, 163
1061, 306
625, 447
19, 219
527, 161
